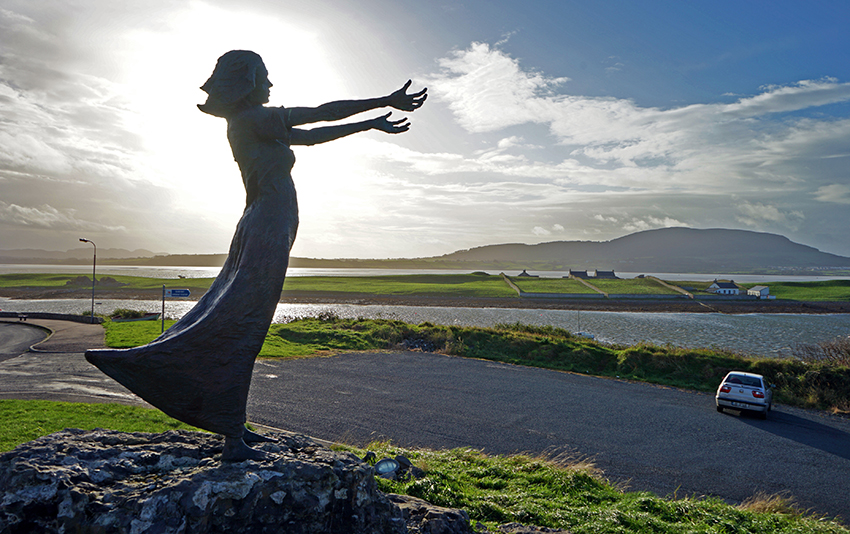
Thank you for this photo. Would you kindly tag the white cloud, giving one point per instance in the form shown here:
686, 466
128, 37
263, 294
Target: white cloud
837, 193
760, 215
540, 231
702, 147
48, 217
650, 222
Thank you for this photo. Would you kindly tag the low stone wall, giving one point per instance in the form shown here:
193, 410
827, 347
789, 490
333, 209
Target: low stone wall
54, 316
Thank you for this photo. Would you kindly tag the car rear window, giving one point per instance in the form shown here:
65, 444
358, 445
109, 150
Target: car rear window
744, 380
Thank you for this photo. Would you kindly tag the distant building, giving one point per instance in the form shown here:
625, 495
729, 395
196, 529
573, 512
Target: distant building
578, 274
605, 274
724, 288
762, 292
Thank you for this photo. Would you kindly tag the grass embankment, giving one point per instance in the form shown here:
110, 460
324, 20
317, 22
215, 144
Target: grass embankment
557, 493
821, 384
570, 494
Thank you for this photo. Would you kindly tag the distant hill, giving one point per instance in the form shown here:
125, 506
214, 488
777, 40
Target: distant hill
665, 250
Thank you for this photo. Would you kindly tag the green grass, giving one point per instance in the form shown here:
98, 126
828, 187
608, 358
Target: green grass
551, 285
26, 420
827, 290
37, 280
635, 286
132, 334
572, 495
453, 285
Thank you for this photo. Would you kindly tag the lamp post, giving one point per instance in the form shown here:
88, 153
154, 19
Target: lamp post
93, 265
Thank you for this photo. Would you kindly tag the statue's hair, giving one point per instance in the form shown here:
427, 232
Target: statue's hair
234, 77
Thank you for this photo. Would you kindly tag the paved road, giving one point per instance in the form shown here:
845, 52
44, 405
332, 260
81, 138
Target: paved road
16, 339
659, 439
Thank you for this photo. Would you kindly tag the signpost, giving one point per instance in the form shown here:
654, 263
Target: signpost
174, 293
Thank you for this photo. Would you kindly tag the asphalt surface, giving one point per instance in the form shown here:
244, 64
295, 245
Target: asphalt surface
14, 340
657, 439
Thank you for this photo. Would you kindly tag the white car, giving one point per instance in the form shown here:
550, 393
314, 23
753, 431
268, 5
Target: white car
745, 391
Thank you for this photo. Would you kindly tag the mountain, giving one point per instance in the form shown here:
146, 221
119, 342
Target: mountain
664, 250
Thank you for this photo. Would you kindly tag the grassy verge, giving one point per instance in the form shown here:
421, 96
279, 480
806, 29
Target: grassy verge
812, 383
570, 494
22, 421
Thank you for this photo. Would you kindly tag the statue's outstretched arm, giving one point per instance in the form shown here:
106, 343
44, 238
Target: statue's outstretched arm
334, 111
324, 134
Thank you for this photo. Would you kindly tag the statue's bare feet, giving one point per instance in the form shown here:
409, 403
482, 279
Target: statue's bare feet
253, 437
235, 450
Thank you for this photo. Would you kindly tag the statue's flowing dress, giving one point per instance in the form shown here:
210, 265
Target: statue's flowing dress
199, 371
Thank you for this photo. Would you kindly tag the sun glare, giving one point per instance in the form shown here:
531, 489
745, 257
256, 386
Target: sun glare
188, 150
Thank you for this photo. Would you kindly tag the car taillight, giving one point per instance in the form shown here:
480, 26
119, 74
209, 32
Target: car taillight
725, 389
758, 394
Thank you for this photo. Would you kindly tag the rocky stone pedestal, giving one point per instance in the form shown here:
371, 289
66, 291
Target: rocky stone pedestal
105, 481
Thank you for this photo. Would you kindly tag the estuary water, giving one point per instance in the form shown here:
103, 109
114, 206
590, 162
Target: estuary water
755, 334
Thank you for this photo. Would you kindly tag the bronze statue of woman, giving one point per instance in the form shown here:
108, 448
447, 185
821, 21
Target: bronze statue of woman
199, 371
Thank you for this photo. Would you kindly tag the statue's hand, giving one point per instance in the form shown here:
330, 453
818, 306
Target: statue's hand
407, 102
385, 125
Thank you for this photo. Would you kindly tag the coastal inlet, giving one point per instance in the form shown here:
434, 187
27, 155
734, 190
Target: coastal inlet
767, 335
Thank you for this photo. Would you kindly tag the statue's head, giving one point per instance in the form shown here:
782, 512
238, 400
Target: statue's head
235, 76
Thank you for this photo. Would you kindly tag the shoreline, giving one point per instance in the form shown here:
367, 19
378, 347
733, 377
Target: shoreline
645, 305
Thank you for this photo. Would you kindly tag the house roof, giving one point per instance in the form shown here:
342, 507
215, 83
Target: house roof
758, 288
725, 285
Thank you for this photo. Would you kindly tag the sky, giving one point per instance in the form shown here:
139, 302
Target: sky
546, 121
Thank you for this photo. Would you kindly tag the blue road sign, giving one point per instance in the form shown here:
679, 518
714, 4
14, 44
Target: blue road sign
177, 293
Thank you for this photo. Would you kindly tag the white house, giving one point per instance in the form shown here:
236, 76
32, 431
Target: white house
762, 292
724, 288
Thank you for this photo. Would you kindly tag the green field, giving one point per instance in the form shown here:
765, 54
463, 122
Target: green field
452, 285
37, 280
827, 290
551, 285
444, 285
634, 286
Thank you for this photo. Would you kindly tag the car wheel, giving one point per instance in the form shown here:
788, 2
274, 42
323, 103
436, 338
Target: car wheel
763, 415
720, 408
